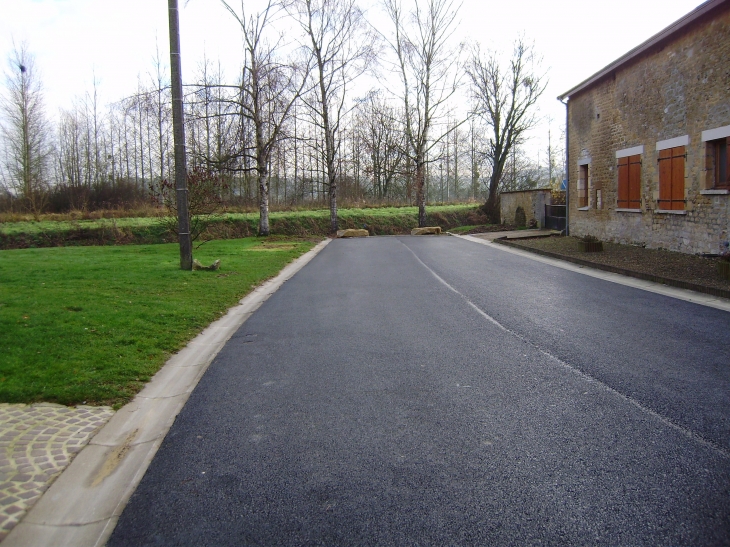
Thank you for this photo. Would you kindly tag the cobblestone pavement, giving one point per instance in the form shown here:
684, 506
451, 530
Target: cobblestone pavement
37, 442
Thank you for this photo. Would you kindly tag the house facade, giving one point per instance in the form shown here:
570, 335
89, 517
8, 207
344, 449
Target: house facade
648, 140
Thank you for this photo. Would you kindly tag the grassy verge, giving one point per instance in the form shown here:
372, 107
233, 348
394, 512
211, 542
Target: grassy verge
379, 221
93, 324
463, 229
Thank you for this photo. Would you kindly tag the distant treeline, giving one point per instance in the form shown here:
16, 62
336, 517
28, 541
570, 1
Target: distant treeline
287, 129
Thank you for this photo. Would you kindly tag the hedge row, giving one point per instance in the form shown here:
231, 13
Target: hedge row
398, 222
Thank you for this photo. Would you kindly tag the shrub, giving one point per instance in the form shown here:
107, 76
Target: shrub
205, 200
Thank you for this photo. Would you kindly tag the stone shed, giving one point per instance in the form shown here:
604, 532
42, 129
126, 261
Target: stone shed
648, 139
532, 203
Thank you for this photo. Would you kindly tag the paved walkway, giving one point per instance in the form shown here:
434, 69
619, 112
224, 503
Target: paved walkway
515, 234
37, 442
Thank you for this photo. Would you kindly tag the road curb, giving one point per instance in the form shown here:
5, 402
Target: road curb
585, 268
82, 506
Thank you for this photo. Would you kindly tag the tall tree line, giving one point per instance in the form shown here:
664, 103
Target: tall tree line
289, 128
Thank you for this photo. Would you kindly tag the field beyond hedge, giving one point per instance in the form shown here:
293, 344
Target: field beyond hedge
146, 230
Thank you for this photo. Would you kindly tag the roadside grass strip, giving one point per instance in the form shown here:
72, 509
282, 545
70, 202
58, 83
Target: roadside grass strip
91, 325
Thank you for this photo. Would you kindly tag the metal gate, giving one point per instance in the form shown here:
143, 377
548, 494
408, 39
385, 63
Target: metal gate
555, 217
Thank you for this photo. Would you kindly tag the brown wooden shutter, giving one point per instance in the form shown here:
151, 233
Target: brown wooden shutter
583, 186
665, 179
678, 178
635, 182
623, 183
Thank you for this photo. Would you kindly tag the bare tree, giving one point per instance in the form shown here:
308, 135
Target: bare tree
476, 157
338, 41
426, 66
555, 155
71, 165
25, 131
380, 130
270, 87
505, 98
521, 172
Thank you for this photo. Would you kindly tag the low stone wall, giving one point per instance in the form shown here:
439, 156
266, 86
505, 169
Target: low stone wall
532, 202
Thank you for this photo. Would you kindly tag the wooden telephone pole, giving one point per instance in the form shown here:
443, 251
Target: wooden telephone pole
178, 131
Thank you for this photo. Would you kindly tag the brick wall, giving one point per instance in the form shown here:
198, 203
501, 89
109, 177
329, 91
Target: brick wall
680, 88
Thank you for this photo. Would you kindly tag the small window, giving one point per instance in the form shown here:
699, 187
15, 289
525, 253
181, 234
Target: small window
629, 182
671, 178
583, 186
717, 166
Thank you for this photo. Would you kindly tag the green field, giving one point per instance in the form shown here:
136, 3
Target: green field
93, 324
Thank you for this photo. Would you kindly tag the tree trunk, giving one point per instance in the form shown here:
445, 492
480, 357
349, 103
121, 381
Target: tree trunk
264, 200
420, 194
331, 173
333, 207
492, 207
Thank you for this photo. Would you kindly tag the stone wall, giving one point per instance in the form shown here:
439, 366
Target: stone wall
532, 202
675, 90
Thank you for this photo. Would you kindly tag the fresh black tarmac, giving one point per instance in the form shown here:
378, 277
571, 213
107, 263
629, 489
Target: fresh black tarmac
433, 391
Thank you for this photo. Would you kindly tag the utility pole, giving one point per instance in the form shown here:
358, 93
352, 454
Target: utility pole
178, 132
441, 179
550, 156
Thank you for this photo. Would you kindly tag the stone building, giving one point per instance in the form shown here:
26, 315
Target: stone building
648, 139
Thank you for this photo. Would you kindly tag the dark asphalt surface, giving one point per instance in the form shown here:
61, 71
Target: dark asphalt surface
368, 403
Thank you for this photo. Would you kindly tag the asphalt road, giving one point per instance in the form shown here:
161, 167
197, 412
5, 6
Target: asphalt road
434, 391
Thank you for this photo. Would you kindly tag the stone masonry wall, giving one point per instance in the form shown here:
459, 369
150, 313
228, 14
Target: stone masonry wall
680, 88
532, 202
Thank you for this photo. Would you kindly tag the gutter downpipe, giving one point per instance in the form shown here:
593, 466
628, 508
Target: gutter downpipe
567, 168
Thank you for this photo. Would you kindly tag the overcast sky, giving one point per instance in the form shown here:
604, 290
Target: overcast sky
116, 40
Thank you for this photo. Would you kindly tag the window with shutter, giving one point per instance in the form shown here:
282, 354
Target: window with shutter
583, 186
635, 182
671, 179
718, 163
629, 182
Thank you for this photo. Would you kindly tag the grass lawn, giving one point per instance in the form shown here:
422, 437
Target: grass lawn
93, 324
